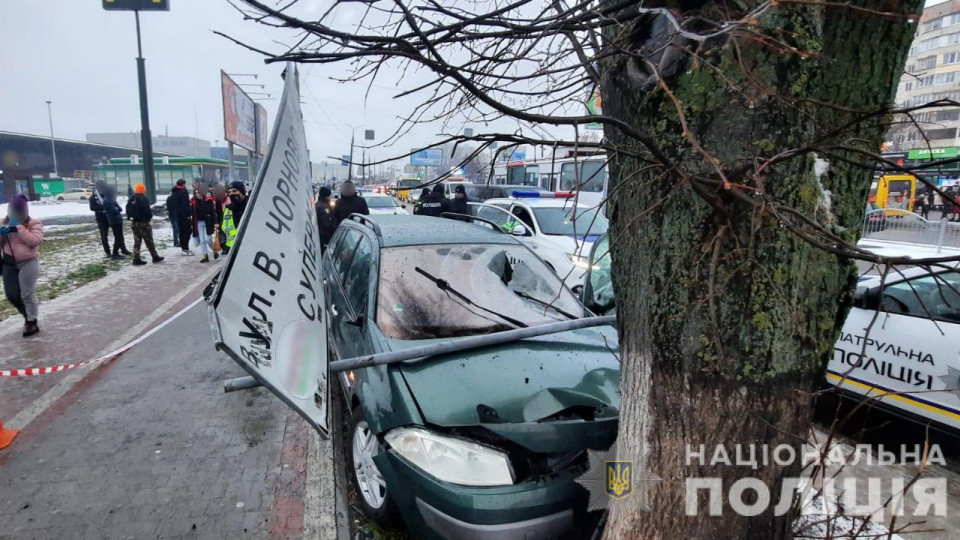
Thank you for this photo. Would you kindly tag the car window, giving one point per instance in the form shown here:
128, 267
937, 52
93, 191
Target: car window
505, 279
380, 201
601, 282
524, 216
491, 213
559, 221
931, 296
357, 280
345, 251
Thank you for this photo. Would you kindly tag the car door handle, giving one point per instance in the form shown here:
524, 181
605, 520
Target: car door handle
333, 309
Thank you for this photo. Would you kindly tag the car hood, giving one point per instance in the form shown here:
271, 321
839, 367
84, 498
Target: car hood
545, 393
581, 245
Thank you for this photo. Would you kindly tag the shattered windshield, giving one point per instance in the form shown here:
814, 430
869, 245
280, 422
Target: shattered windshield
422, 290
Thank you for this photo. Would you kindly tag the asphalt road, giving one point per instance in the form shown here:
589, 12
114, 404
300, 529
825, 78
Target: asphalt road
149, 446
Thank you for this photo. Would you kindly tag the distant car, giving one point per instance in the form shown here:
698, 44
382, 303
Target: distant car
75, 194
907, 362
485, 443
482, 192
547, 226
384, 204
449, 188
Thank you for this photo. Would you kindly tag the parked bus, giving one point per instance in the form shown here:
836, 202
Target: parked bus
583, 172
894, 192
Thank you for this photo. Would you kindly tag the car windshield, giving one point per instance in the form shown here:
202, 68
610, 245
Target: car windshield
407, 184
559, 221
505, 278
379, 201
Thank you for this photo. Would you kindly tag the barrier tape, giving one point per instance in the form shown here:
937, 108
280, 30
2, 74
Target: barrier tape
113, 354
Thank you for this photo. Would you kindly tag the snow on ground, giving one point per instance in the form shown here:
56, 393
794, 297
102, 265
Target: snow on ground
48, 209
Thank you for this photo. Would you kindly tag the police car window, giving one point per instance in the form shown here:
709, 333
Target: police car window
507, 278
356, 283
524, 216
936, 297
496, 215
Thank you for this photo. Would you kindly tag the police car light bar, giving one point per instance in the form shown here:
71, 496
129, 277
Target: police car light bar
542, 195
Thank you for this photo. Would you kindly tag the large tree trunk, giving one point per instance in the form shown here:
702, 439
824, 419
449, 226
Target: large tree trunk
726, 318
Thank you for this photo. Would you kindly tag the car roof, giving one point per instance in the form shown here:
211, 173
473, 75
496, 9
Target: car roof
536, 202
410, 230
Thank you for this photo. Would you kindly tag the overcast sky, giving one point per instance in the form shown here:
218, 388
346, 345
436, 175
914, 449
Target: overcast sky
81, 57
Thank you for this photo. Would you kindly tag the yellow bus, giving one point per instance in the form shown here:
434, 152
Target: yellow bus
894, 192
403, 187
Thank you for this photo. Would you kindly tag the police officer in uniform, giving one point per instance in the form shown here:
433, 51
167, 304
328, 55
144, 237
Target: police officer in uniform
435, 203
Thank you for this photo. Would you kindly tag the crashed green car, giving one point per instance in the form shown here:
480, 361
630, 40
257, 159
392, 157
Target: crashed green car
484, 443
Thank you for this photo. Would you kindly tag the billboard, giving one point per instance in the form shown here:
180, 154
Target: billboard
137, 5
239, 115
263, 129
428, 157
517, 153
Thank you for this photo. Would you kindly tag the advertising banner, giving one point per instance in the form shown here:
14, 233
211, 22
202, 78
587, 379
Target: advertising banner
239, 115
267, 307
428, 157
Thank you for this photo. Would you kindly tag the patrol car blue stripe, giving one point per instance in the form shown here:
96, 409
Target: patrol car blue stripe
899, 394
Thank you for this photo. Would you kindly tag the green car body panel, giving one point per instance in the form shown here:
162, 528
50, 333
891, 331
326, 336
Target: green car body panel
533, 393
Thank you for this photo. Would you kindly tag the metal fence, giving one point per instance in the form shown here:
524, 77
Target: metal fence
904, 227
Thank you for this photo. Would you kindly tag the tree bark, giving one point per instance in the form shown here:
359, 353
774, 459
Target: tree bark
726, 318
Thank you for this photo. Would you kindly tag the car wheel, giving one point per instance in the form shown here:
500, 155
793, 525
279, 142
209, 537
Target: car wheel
371, 487
59, 198
83, 198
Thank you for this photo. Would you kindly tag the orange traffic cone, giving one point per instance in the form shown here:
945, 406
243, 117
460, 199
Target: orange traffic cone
6, 436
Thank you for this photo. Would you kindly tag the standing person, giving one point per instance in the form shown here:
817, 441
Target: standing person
181, 212
326, 220
459, 203
923, 204
204, 217
435, 203
115, 219
938, 203
233, 213
350, 203
220, 202
423, 194
20, 238
139, 212
173, 218
96, 205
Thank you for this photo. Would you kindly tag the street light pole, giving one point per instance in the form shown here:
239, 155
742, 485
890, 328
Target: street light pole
53, 145
146, 138
350, 165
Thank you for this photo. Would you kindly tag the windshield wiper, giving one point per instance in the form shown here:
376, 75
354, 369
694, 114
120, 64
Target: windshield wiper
544, 304
444, 285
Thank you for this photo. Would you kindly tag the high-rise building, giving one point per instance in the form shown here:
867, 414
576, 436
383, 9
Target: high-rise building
932, 73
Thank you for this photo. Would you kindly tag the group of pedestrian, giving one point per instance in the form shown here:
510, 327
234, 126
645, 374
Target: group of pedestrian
20, 238
109, 218
329, 215
927, 201
435, 203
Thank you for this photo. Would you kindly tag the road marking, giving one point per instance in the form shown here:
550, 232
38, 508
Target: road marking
22, 419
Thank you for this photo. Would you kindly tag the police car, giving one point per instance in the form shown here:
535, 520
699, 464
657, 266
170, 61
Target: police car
900, 345
544, 221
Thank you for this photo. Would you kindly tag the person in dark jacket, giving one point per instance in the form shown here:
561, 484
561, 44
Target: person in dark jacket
326, 221
173, 219
459, 203
178, 204
232, 213
204, 219
423, 194
139, 212
435, 203
349, 203
96, 206
115, 219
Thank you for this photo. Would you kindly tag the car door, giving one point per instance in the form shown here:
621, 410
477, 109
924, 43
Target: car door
348, 268
911, 354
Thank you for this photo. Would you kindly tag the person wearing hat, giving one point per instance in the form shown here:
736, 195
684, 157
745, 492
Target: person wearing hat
96, 206
20, 237
326, 220
459, 203
237, 192
115, 218
435, 203
423, 194
139, 212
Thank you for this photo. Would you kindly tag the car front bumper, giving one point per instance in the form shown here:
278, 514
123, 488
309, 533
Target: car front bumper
530, 510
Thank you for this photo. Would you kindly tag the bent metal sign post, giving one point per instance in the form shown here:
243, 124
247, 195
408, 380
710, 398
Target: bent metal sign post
266, 311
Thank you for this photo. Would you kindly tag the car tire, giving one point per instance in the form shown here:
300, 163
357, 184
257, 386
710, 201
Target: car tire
59, 198
365, 477
83, 198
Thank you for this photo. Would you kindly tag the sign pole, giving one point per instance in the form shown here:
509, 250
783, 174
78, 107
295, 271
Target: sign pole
146, 139
350, 165
230, 160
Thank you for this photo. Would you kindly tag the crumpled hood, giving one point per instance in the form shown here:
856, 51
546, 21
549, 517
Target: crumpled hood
528, 391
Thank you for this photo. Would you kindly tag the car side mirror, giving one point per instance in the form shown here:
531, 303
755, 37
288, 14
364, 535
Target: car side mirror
866, 298
519, 230
403, 206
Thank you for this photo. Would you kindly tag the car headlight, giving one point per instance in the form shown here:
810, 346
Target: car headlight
450, 459
580, 261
